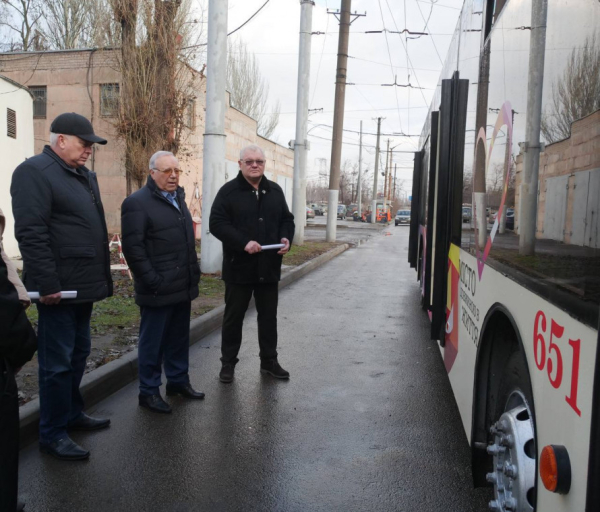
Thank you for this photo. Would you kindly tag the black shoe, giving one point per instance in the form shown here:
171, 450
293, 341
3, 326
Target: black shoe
272, 367
20, 506
155, 403
185, 390
226, 374
65, 449
85, 422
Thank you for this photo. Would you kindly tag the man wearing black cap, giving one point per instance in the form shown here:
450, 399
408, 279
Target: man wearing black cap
62, 235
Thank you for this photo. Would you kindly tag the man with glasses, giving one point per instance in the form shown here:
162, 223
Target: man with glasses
159, 246
248, 213
60, 227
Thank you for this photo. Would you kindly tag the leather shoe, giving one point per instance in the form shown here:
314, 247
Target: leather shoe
272, 367
65, 449
185, 390
20, 506
155, 403
227, 372
85, 422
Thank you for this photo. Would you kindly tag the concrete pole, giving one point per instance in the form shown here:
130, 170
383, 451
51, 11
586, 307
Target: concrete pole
394, 192
214, 164
385, 175
338, 121
301, 143
376, 172
359, 184
529, 185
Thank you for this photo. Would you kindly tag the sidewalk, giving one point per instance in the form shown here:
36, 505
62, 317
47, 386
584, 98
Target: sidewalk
109, 378
366, 422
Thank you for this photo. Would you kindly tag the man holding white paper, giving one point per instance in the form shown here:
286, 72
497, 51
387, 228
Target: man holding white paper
62, 235
249, 215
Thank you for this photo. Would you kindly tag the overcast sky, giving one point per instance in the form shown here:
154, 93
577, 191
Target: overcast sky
273, 36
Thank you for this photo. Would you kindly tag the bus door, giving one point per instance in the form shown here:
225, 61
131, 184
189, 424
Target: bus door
447, 214
415, 207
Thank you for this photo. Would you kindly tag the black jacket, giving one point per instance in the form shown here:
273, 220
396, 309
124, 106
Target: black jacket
17, 338
238, 217
60, 227
159, 246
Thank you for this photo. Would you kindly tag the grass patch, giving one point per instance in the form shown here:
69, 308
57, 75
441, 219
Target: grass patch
302, 253
211, 286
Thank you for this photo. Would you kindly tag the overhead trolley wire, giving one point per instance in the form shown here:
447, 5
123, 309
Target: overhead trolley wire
391, 65
320, 59
426, 27
234, 30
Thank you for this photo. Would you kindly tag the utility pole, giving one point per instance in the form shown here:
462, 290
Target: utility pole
394, 194
385, 175
301, 142
338, 119
358, 185
214, 166
529, 185
374, 203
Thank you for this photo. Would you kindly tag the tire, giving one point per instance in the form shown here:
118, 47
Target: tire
514, 416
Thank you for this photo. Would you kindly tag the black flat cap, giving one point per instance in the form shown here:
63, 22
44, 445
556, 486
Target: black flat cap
74, 124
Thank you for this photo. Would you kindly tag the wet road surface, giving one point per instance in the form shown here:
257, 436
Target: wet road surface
367, 421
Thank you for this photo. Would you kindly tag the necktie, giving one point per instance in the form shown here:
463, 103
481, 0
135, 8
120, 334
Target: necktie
173, 201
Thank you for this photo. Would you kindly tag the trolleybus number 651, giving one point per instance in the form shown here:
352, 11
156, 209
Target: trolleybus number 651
541, 361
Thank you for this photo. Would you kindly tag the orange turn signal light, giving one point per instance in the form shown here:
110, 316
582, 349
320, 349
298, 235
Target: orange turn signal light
555, 469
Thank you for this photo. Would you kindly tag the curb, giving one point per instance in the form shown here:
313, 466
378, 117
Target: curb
109, 378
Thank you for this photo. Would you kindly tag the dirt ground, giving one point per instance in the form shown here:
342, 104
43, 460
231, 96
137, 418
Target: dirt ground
115, 321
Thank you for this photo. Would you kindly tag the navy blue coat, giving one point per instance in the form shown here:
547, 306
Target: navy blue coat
159, 246
60, 227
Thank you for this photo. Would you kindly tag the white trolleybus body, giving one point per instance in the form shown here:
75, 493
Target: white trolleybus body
513, 289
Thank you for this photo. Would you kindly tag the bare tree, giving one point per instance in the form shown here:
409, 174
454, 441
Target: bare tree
575, 94
249, 91
21, 18
73, 24
158, 85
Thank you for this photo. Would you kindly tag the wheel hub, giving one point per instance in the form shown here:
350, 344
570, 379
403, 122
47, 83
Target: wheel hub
513, 450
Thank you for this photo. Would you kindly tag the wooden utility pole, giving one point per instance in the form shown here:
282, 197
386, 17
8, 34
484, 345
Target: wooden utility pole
338, 118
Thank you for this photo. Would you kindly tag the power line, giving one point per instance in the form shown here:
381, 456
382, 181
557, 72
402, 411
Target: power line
426, 27
234, 30
391, 65
320, 58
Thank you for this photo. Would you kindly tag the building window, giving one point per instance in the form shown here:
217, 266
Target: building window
190, 114
11, 123
39, 101
109, 100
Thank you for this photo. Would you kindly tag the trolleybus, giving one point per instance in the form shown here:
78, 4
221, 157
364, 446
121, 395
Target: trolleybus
515, 127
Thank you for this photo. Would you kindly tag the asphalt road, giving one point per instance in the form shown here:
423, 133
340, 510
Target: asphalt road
367, 421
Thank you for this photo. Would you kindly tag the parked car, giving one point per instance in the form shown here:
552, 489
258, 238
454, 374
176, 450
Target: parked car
341, 211
310, 213
402, 217
318, 209
510, 218
467, 214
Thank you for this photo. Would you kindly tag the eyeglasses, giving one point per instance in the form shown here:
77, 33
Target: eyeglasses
168, 172
252, 162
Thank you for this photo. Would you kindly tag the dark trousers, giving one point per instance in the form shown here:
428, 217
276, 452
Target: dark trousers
164, 340
237, 298
64, 343
9, 438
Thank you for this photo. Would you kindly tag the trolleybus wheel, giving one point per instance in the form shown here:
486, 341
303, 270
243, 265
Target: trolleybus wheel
513, 447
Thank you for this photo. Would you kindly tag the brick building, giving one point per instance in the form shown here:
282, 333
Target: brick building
87, 82
569, 186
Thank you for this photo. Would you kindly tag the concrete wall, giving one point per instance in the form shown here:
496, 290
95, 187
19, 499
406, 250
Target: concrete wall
13, 151
73, 80
564, 161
